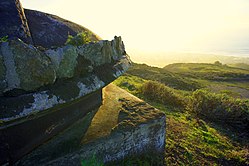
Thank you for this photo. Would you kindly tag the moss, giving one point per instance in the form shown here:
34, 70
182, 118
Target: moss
4, 38
133, 113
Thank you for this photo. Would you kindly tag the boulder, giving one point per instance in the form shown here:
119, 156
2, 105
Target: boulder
64, 60
24, 67
103, 52
118, 47
51, 31
92, 52
27, 68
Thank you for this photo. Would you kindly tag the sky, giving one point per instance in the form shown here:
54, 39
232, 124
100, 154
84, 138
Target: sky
160, 25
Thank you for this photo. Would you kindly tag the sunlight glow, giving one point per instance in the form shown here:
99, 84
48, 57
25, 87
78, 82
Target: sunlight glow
158, 25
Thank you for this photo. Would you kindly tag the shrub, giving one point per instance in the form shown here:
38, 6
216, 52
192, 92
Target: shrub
79, 39
4, 39
218, 63
156, 91
93, 161
220, 107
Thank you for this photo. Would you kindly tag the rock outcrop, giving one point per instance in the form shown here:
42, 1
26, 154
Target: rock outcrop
26, 68
52, 31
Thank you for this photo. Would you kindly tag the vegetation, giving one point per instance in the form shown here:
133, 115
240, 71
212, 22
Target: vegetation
203, 127
221, 108
166, 77
159, 92
218, 63
92, 162
79, 39
4, 39
240, 65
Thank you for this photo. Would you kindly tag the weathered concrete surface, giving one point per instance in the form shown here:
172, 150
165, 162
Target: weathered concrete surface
20, 137
123, 126
13, 21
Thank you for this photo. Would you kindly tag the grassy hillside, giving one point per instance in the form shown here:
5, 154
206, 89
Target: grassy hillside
240, 65
217, 72
203, 127
169, 78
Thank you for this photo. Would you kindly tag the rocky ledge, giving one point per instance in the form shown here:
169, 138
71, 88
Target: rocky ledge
38, 80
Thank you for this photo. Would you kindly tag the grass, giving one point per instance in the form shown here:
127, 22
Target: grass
190, 139
168, 78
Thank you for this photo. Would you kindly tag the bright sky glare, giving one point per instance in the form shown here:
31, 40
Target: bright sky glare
159, 25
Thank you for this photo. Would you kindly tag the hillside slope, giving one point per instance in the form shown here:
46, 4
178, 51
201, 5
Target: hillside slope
214, 137
209, 71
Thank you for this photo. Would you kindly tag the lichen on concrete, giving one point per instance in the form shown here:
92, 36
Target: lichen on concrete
43, 101
11, 76
96, 84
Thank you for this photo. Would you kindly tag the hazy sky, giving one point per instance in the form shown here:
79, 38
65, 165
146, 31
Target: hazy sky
159, 25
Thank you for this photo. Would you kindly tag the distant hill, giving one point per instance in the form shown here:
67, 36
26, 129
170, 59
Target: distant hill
162, 59
193, 76
240, 65
209, 71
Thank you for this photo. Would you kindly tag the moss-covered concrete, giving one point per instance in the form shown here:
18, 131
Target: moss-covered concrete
124, 126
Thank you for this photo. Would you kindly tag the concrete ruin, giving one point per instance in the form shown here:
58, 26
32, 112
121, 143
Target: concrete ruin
51, 92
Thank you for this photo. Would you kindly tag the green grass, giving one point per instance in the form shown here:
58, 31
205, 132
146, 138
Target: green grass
190, 139
130, 83
168, 78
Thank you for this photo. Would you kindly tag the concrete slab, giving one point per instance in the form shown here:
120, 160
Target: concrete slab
123, 126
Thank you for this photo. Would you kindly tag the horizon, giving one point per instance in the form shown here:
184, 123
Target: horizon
216, 27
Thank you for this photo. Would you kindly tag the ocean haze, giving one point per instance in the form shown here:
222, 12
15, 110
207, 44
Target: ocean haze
161, 59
